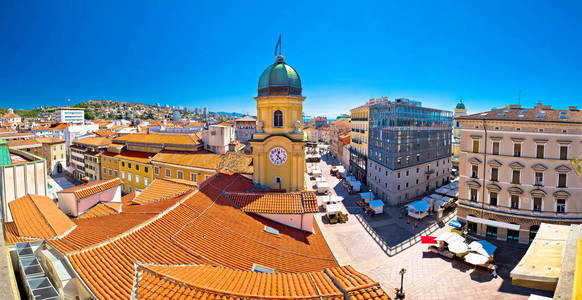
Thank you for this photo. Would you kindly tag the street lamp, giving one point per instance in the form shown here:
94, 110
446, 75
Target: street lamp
400, 292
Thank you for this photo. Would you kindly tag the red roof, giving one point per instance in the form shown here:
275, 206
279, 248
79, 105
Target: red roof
275, 203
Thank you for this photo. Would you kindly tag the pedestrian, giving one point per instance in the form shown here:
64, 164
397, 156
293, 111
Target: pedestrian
494, 273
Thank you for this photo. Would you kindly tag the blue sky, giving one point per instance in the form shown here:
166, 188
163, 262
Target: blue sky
211, 53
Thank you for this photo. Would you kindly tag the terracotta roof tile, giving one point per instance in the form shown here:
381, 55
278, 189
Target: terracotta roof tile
128, 198
164, 188
201, 159
49, 140
39, 217
159, 138
209, 282
94, 141
236, 162
101, 209
92, 188
275, 203
23, 143
12, 237
201, 227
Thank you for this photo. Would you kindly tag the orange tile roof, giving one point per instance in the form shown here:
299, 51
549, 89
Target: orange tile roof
23, 143
201, 227
104, 132
164, 188
275, 203
7, 130
13, 115
94, 141
12, 237
101, 209
209, 282
49, 140
137, 156
128, 198
160, 138
39, 217
224, 124
201, 159
92, 188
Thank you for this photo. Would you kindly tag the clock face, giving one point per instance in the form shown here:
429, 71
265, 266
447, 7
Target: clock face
278, 156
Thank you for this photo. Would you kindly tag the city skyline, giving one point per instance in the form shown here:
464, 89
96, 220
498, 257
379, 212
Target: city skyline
436, 55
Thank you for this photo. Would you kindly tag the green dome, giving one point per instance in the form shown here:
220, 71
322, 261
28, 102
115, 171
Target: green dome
279, 79
460, 105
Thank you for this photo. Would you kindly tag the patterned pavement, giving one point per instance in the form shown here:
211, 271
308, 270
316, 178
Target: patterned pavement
428, 276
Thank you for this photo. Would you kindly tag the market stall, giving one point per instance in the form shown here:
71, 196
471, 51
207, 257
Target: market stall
377, 205
367, 196
418, 209
322, 187
331, 199
355, 186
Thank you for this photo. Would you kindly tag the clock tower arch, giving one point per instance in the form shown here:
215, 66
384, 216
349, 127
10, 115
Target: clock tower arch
279, 143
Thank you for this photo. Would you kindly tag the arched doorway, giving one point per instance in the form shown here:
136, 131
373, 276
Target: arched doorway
59, 168
533, 230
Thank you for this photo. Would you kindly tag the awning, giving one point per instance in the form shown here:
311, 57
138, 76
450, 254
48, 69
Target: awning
457, 224
476, 259
493, 223
418, 206
450, 237
376, 203
482, 247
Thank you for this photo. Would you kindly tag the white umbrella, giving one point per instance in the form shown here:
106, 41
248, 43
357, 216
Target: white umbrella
458, 247
476, 259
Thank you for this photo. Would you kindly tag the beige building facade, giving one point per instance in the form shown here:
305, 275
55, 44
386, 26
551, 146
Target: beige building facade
515, 170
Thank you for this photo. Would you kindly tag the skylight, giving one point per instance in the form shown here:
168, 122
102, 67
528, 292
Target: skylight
484, 114
261, 269
524, 111
271, 230
505, 110
542, 111
520, 116
563, 117
540, 116
500, 115
562, 112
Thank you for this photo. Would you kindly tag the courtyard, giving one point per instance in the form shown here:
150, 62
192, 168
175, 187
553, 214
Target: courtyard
380, 246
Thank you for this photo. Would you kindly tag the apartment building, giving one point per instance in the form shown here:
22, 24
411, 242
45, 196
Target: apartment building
338, 130
86, 157
359, 138
460, 111
70, 115
53, 150
217, 138
409, 150
515, 170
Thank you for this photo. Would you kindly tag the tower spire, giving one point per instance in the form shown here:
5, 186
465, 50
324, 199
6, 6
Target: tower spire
278, 46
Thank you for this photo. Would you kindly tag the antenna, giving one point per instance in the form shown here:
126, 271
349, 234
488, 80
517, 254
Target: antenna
519, 97
278, 46
68, 101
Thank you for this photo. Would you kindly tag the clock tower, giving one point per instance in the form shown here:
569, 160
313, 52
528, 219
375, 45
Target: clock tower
279, 143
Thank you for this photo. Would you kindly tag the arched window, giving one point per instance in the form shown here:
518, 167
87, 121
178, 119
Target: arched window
278, 119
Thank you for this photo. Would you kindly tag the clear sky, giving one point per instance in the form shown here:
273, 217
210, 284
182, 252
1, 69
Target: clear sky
211, 53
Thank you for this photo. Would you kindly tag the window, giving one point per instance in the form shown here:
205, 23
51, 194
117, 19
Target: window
474, 171
517, 150
472, 227
145, 169
512, 235
157, 170
137, 167
475, 146
563, 152
110, 172
278, 119
539, 178
537, 204
146, 181
515, 201
180, 175
473, 195
494, 174
491, 231
562, 180
398, 187
208, 176
168, 173
122, 174
493, 198
561, 205
496, 148
277, 180
129, 165
515, 177
398, 174
136, 179
194, 177
123, 164
128, 176
115, 173
129, 189
540, 151
105, 170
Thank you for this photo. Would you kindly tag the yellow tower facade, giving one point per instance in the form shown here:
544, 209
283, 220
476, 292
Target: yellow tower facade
279, 143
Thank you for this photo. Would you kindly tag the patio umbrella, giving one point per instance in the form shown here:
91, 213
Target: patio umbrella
458, 247
427, 239
476, 259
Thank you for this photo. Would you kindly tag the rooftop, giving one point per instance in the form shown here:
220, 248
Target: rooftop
92, 188
94, 141
164, 188
275, 203
201, 159
540, 113
39, 217
49, 140
160, 138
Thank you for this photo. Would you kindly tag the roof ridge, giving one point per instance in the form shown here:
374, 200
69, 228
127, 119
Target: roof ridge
43, 215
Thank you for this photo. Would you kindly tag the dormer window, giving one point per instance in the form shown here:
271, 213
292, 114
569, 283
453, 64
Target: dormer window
278, 119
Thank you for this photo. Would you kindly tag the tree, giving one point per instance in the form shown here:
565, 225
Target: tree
577, 165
